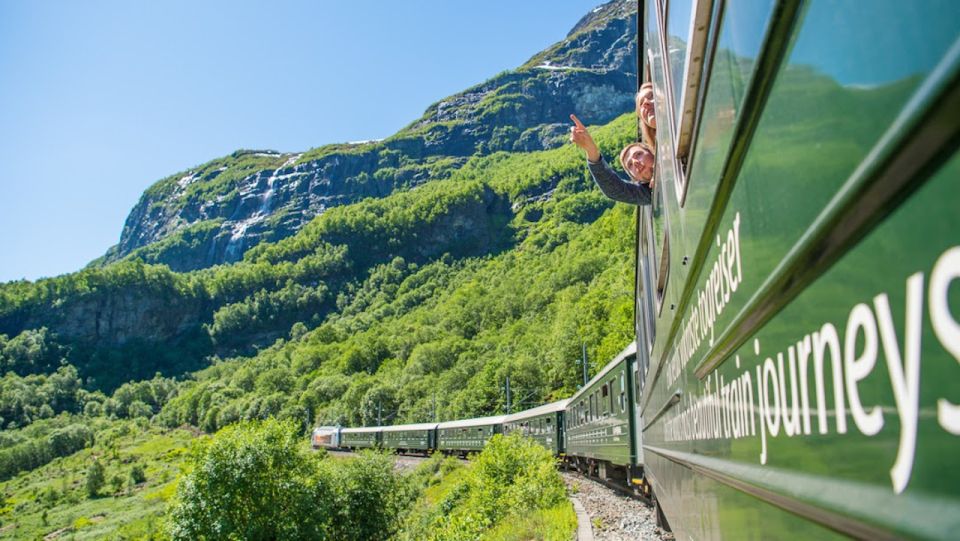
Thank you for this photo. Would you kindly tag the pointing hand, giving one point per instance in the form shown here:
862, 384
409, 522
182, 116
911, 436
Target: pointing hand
581, 137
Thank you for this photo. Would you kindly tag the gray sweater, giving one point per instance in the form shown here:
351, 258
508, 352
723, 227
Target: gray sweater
615, 187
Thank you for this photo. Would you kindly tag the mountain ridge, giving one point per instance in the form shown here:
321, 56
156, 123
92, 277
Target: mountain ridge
224, 207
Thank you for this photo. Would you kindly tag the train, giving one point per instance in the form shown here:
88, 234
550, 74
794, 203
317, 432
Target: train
593, 431
795, 371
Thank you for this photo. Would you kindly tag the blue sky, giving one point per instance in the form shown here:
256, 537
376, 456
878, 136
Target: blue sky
99, 99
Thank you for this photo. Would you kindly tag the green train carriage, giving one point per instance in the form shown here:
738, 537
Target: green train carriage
421, 438
544, 424
599, 421
797, 294
360, 437
468, 435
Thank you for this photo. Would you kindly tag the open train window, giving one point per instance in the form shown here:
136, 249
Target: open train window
683, 28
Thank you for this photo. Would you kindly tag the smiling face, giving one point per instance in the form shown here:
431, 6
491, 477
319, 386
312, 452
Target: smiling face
645, 110
638, 161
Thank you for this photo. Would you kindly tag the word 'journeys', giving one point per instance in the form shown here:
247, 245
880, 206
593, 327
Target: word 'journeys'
725, 276
758, 401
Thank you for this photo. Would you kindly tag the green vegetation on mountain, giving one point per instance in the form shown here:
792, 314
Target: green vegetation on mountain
140, 465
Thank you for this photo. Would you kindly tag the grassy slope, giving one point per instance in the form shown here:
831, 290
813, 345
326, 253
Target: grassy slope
57, 489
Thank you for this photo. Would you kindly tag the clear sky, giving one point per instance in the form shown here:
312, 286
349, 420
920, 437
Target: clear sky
99, 99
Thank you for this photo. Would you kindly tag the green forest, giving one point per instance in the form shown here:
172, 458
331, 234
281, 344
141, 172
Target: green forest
418, 304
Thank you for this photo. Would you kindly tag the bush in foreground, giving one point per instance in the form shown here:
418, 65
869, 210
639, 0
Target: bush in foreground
512, 485
257, 481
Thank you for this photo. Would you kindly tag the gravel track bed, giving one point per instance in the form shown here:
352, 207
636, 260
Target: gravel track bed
614, 517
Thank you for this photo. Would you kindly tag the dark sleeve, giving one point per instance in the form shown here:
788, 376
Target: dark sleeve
615, 187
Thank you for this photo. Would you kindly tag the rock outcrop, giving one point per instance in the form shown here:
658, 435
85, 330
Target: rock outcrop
213, 213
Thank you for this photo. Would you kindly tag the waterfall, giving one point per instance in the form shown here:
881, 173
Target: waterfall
234, 250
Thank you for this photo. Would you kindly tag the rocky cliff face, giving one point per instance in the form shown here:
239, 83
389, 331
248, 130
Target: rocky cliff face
213, 213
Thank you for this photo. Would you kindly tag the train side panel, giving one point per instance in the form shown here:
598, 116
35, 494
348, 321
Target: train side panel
544, 424
409, 437
360, 438
469, 435
800, 305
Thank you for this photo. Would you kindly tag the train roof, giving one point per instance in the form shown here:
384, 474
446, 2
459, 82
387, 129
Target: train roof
631, 349
326, 429
418, 426
478, 421
559, 405
361, 429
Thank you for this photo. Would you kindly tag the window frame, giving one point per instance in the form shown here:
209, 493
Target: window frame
697, 60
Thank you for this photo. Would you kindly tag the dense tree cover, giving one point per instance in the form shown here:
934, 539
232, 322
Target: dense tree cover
258, 481
266, 310
26, 399
139, 398
447, 330
30, 352
38, 451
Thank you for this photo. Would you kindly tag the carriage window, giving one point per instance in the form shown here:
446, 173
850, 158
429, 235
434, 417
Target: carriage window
678, 33
655, 248
605, 393
612, 407
687, 29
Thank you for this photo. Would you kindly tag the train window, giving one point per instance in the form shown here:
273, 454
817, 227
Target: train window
606, 392
655, 248
644, 308
686, 29
612, 394
678, 27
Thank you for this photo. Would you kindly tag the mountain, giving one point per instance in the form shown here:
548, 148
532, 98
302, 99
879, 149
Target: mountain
213, 213
224, 259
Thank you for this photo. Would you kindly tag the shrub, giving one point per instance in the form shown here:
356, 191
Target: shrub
96, 477
137, 475
253, 481
511, 487
376, 497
